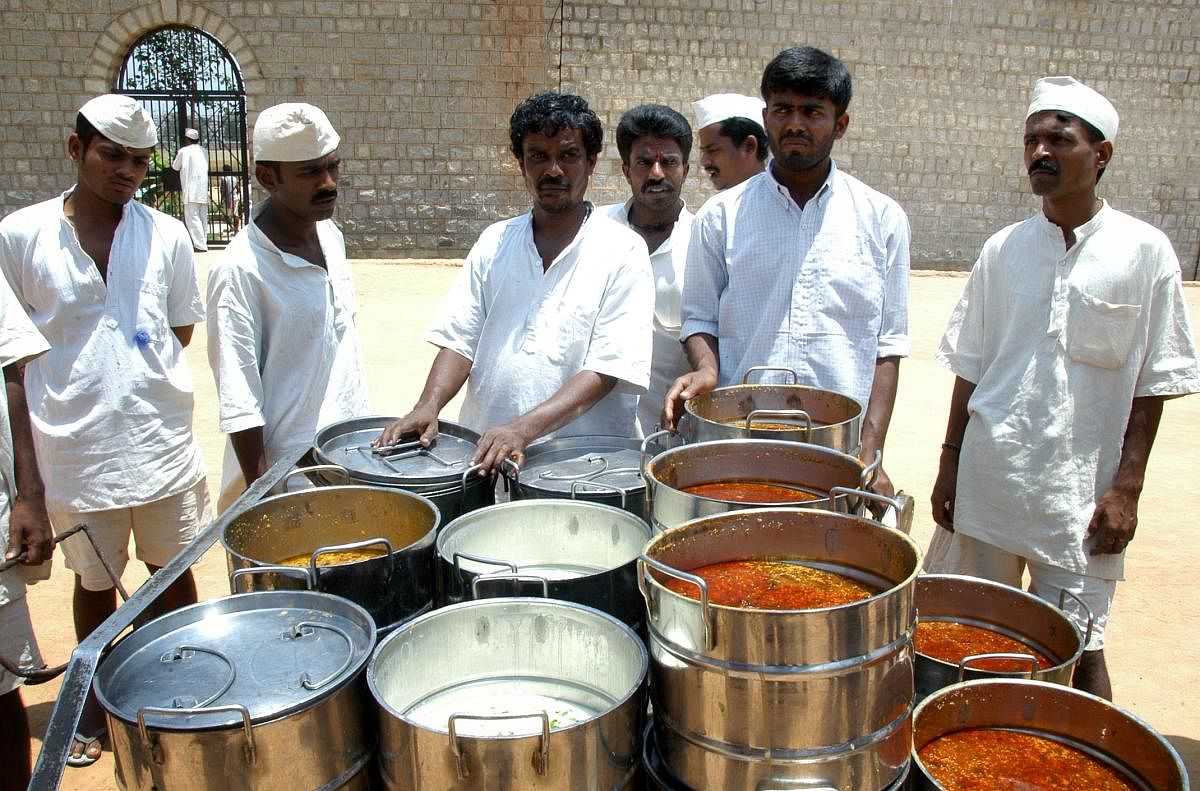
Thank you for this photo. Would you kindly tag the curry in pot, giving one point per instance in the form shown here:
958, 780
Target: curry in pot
951, 641
336, 558
751, 492
772, 585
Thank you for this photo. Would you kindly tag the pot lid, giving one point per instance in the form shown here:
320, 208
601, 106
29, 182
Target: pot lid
348, 444
610, 463
271, 652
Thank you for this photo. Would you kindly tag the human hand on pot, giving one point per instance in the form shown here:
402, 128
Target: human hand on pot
422, 422
500, 443
685, 387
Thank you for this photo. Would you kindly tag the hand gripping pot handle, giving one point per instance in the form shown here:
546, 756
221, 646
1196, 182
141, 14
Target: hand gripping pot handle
334, 468
781, 368
1062, 600
705, 614
577, 485
541, 760
249, 752
511, 576
967, 661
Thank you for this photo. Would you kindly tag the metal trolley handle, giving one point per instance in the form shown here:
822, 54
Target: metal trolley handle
541, 759
967, 661
249, 751
705, 615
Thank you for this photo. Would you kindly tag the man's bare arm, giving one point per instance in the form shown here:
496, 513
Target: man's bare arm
702, 352
1115, 519
446, 377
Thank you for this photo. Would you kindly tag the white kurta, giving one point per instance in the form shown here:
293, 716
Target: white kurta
1058, 343
19, 342
111, 402
528, 332
667, 263
282, 343
823, 290
192, 164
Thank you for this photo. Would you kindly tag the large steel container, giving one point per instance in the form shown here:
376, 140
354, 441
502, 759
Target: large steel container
744, 698
442, 472
812, 415
594, 468
836, 481
510, 694
393, 587
1059, 713
570, 550
1002, 608
257, 691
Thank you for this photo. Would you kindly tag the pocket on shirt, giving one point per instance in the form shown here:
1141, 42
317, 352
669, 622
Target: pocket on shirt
565, 342
1100, 333
151, 315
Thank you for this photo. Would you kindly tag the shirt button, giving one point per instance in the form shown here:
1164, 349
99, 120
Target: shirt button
110, 322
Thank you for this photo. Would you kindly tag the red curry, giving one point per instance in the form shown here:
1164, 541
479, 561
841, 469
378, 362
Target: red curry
950, 641
751, 492
772, 585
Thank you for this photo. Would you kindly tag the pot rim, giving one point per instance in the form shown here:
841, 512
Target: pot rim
450, 481
507, 601
717, 392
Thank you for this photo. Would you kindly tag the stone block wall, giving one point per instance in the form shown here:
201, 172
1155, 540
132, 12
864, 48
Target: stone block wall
421, 92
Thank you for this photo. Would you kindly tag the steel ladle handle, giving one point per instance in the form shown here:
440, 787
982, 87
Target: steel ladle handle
967, 661
781, 368
250, 752
541, 762
705, 614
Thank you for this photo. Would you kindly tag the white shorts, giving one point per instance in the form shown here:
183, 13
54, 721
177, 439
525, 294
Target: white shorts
955, 553
160, 530
17, 642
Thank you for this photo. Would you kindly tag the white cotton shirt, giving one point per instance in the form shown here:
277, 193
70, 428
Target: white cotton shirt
822, 290
20, 342
667, 263
192, 164
1058, 343
282, 343
111, 402
528, 332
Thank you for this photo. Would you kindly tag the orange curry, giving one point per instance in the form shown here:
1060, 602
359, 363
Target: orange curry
772, 585
751, 492
950, 641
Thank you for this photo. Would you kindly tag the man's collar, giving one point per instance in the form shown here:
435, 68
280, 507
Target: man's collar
821, 195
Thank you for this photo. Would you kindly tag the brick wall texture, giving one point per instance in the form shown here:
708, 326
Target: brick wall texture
421, 93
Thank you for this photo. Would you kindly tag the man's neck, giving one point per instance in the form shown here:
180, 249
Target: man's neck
84, 208
804, 184
1068, 214
654, 226
290, 234
553, 232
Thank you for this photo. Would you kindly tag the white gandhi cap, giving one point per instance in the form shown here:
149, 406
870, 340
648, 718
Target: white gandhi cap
723, 106
121, 119
191, 134
1068, 95
293, 132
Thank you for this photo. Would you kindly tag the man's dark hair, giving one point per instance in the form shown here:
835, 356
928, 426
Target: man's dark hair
85, 131
549, 113
737, 129
653, 120
1094, 135
809, 72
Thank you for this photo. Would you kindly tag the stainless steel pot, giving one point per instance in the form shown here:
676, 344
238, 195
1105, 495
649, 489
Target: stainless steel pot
1008, 610
234, 693
571, 550
441, 472
1060, 713
821, 417
599, 469
744, 698
393, 587
838, 480
510, 694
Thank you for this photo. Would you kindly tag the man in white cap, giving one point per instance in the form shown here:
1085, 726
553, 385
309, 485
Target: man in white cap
281, 335
733, 144
111, 284
1071, 332
192, 164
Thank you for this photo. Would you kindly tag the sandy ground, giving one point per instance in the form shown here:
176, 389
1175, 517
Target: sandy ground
1153, 653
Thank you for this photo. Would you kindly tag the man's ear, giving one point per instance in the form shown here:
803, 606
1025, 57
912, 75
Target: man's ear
1104, 152
75, 147
266, 177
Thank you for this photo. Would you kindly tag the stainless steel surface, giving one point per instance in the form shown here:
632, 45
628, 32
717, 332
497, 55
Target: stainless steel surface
1008, 610
64, 719
830, 419
510, 694
222, 694
584, 468
585, 551
813, 468
1085, 721
392, 587
744, 696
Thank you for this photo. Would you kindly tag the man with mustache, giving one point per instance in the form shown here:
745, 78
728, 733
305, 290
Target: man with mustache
733, 145
281, 336
654, 143
1071, 332
549, 324
111, 285
802, 266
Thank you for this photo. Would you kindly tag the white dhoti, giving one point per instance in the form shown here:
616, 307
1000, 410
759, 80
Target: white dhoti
195, 220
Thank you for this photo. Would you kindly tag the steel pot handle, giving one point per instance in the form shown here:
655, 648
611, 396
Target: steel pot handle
179, 654
508, 464
1062, 600
575, 486
287, 571
784, 369
335, 468
512, 576
867, 476
454, 558
643, 459
312, 561
297, 633
864, 496
250, 753
706, 616
967, 661
798, 414
541, 761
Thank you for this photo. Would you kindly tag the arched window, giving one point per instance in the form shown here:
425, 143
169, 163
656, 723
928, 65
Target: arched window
186, 79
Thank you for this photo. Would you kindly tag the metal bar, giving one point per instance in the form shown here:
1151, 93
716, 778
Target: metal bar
56, 744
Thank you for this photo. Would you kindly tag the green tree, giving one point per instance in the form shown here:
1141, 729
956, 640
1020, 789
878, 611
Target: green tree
178, 59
